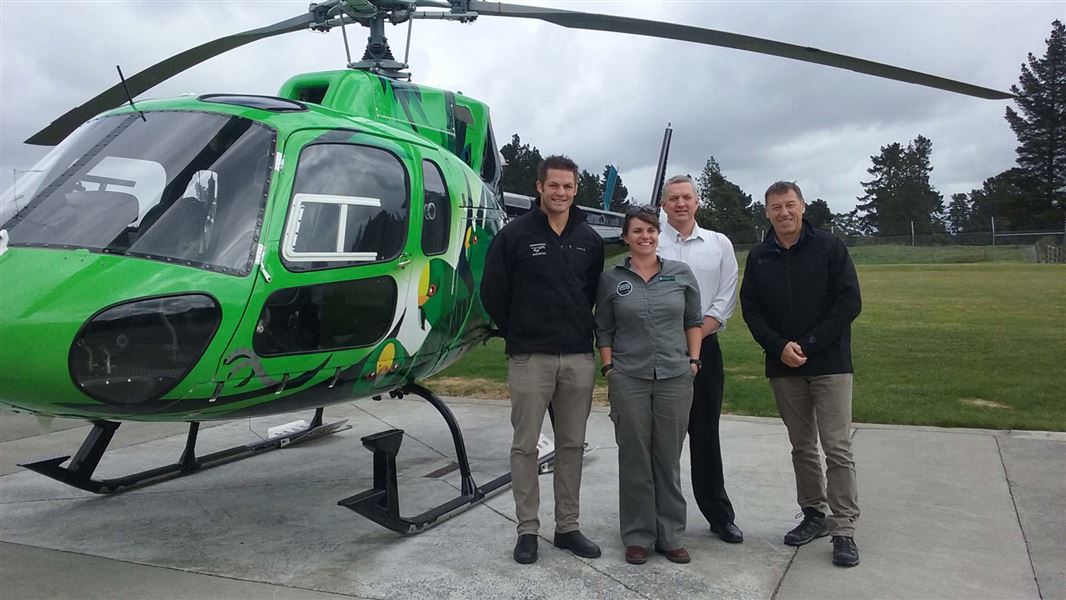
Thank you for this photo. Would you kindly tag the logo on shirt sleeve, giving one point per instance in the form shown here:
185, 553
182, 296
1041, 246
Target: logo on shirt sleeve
624, 287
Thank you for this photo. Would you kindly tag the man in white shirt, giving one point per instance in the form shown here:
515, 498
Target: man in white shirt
710, 256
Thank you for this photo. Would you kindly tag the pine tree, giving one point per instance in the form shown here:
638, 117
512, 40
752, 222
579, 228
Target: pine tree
724, 206
589, 190
520, 170
1010, 199
1041, 125
850, 224
900, 192
818, 214
959, 214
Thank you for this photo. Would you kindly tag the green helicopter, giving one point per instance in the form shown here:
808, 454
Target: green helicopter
224, 255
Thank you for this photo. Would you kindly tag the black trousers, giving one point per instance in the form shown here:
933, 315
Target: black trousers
705, 450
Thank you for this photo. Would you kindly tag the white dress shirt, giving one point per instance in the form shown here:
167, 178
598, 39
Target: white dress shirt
710, 256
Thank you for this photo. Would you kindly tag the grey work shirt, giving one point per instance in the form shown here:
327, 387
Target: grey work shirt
644, 323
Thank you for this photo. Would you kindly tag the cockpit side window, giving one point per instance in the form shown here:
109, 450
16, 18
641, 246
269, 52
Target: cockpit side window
436, 212
349, 206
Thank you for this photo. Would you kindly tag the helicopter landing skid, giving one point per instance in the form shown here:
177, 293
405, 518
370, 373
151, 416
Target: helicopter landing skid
382, 503
80, 470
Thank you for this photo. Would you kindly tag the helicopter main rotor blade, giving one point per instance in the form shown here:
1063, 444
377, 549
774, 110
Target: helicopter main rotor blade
159, 72
699, 35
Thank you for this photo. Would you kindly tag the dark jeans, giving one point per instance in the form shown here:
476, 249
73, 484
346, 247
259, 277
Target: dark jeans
705, 451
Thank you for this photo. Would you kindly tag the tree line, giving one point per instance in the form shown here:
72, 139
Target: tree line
899, 197
520, 177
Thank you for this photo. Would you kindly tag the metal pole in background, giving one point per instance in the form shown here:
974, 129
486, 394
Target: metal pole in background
993, 232
660, 171
912, 234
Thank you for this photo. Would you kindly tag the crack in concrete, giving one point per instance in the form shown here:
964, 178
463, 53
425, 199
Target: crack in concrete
1018, 516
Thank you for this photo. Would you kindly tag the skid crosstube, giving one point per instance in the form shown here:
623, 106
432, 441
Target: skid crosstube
382, 503
79, 473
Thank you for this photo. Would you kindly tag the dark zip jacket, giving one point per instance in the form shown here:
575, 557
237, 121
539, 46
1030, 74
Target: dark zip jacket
809, 294
539, 287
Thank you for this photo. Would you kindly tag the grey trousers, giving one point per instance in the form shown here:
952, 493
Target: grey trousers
565, 381
650, 421
816, 408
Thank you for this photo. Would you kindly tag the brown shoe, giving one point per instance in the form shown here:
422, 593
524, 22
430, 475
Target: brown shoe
636, 555
679, 556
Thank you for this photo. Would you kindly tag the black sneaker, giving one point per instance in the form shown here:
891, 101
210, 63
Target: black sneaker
845, 552
812, 526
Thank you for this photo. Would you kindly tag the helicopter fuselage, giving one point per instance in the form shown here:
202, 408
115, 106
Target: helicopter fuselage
228, 255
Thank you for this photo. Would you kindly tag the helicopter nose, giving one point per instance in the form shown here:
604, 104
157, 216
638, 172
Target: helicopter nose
84, 333
140, 350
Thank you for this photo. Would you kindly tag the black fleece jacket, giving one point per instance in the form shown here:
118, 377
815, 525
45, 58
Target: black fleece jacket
809, 294
539, 287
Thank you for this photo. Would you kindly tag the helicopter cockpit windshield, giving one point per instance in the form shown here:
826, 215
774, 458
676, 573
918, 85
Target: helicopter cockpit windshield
185, 187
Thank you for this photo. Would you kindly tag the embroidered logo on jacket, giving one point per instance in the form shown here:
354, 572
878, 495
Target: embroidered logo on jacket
624, 287
539, 249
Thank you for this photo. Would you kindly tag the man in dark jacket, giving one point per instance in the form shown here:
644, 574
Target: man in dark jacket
799, 296
539, 288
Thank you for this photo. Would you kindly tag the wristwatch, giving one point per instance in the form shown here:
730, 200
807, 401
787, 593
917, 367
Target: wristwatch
605, 368
695, 361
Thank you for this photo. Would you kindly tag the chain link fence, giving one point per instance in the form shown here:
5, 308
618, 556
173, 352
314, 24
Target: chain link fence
977, 246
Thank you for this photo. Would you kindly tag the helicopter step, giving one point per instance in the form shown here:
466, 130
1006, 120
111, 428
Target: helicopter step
80, 470
381, 504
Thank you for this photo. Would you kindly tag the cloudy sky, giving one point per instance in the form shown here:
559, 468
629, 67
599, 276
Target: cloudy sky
599, 97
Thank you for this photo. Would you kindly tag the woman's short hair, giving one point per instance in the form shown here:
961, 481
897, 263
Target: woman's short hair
647, 213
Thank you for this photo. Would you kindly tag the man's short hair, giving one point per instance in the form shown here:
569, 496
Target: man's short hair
679, 179
783, 187
558, 162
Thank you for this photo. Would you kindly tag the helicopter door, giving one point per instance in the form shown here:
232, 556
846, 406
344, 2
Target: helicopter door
334, 271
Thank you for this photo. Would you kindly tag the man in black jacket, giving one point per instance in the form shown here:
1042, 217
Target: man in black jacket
799, 296
539, 288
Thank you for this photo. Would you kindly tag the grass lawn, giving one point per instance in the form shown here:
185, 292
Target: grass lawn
899, 255
956, 345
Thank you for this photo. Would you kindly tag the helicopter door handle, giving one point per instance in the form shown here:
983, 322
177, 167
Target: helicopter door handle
405, 259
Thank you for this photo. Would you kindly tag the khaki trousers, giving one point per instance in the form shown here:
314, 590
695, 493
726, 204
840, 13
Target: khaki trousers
816, 408
565, 381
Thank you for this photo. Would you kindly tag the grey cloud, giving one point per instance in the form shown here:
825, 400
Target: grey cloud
599, 97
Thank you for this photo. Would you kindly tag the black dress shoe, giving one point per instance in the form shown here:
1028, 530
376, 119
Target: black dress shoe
577, 543
525, 551
728, 532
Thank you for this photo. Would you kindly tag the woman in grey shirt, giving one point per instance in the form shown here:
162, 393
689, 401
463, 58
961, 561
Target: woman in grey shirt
648, 331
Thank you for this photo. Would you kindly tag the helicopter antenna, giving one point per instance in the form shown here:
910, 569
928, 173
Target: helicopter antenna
347, 50
128, 95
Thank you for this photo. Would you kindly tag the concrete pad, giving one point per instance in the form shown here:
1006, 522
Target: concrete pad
937, 522
270, 526
14, 428
28, 572
1040, 501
